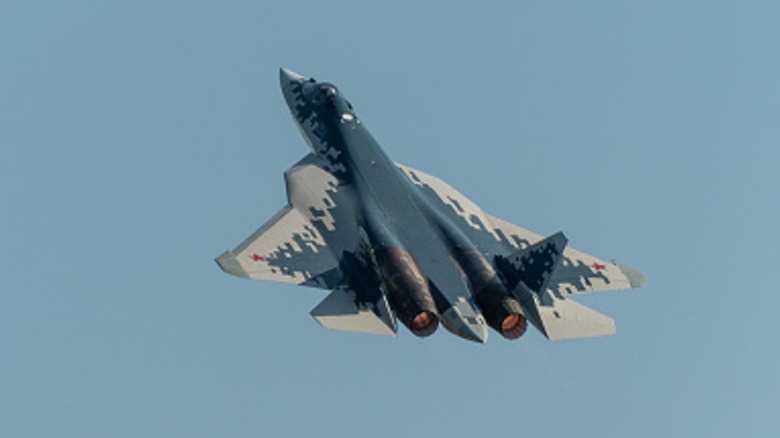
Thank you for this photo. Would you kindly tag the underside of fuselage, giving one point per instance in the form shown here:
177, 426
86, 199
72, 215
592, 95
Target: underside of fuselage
395, 244
418, 254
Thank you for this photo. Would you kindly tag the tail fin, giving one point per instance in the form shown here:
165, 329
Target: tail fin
534, 265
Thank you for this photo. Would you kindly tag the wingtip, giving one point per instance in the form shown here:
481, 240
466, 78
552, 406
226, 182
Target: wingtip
635, 277
228, 263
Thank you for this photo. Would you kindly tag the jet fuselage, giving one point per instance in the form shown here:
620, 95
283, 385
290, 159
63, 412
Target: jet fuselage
429, 268
392, 243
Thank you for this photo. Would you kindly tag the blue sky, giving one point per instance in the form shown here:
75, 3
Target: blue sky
140, 140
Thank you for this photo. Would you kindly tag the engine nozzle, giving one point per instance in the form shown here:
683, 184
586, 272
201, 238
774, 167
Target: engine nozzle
407, 290
501, 310
424, 324
513, 326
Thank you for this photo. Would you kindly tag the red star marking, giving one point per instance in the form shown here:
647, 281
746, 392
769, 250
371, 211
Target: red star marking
599, 267
258, 258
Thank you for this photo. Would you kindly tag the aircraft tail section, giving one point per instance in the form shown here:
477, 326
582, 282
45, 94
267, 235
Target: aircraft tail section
535, 264
528, 273
344, 310
566, 319
559, 318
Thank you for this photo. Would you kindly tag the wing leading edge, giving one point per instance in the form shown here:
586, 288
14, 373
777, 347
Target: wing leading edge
578, 272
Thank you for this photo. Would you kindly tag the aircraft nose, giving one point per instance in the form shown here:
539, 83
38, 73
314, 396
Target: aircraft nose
286, 76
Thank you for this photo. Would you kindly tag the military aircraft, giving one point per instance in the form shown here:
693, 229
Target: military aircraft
396, 244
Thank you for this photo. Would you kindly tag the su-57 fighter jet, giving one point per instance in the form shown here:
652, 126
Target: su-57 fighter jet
397, 244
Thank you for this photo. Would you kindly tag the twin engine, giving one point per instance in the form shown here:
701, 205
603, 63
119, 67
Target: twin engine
409, 293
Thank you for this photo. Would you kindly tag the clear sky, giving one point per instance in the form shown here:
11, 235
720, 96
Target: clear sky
140, 140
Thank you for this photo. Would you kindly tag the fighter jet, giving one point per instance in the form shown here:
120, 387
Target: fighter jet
393, 243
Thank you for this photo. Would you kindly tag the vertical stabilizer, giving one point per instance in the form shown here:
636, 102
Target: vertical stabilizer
535, 264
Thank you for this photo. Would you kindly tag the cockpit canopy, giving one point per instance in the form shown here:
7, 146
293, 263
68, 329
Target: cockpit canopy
319, 93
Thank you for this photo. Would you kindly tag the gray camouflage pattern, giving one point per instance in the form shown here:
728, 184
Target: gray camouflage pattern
347, 200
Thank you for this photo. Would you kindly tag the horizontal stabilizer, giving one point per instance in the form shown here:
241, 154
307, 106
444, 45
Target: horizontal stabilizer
342, 310
565, 319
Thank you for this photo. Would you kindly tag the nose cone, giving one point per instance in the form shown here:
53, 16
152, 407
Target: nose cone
291, 84
286, 76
